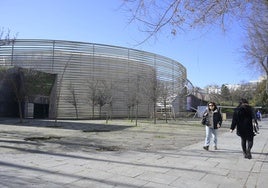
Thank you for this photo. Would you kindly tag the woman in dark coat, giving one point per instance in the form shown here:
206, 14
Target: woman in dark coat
242, 121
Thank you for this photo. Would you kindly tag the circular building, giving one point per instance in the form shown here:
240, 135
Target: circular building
77, 80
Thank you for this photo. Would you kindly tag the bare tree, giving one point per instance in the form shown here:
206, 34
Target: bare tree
134, 97
101, 100
93, 94
5, 37
101, 93
72, 99
151, 90
59, 87
178, 16
106, 94
138, 97
256, 47
247, 90
165, 92
131, 101
225, 93
15, 79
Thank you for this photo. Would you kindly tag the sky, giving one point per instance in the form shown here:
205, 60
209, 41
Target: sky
210, 58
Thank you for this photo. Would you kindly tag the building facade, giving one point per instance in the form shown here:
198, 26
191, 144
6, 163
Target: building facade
96, 80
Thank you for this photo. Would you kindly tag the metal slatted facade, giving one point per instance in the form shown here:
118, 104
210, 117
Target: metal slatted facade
125, 73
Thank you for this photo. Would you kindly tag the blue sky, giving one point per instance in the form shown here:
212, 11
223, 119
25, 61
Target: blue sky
210, 58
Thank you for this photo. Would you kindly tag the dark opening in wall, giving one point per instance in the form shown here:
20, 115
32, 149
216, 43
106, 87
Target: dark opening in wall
41, 110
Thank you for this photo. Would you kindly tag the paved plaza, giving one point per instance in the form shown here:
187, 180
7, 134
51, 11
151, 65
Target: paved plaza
119, 154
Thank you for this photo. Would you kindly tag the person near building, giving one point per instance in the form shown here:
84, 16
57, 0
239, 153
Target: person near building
243, 119
213, 121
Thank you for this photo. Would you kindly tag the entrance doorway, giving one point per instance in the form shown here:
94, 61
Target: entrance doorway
41, 111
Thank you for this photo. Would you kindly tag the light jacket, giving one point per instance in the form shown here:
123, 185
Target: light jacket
216, 116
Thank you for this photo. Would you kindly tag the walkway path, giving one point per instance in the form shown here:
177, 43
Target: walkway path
189, 166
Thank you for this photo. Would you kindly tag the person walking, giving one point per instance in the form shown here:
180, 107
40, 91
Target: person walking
213, 121
258, 114
242, 120
256, 126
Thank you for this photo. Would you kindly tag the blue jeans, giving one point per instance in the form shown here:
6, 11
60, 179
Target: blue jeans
210, 132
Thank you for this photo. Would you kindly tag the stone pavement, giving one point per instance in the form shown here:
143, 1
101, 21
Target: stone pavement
190, 166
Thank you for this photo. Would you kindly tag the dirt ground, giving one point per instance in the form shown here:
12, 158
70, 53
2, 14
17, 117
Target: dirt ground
97, 135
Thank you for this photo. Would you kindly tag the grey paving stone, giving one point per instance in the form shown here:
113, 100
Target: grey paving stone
148, 156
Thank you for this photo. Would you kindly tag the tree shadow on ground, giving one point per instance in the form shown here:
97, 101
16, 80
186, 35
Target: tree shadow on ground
84, 126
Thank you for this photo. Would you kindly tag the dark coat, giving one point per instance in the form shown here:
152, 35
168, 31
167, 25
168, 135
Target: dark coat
242, 121
217, 118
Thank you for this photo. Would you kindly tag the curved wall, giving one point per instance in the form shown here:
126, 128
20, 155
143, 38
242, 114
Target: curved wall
126, 78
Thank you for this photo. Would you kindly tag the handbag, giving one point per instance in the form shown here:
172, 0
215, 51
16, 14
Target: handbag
204, 120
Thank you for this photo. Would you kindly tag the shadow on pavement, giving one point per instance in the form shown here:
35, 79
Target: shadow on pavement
72, 125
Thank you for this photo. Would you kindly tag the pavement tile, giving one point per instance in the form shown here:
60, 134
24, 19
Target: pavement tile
188, 182
74, 159
157, 177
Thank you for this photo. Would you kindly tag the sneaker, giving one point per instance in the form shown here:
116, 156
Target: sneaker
205, 148
215, 148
